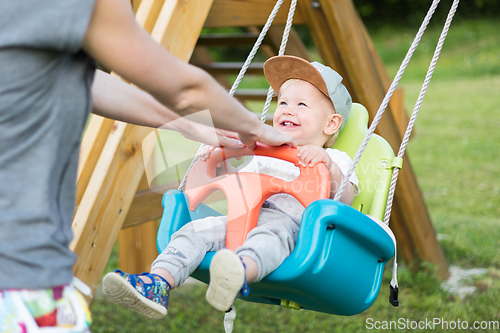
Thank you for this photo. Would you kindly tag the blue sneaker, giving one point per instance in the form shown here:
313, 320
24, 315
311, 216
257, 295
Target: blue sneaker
147, 299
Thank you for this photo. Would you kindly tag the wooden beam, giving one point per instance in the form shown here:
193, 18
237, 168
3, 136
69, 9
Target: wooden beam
147, 204
294, 45
105, 202
135, 4
396, 104
218, 39
405, 246
147, 13
399, 112
230, 13
325, 42
220, 68
112, 186
252, 94
93, 142
179, 25
137, 245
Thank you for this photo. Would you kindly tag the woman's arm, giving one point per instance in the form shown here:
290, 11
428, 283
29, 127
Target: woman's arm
116, 41
115, 99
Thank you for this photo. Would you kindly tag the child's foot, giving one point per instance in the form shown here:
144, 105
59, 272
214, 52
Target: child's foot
227, 277
147, 299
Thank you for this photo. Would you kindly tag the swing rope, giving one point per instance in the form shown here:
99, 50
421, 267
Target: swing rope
411, 123
409, 128
418, 104
388, 96
247, 63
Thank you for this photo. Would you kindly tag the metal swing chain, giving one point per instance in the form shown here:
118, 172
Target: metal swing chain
387, 98
418, 104
245, 66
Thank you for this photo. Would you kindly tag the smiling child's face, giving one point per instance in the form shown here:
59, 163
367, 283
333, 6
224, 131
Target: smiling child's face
305, 113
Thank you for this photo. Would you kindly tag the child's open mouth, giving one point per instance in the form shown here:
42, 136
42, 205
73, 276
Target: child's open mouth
288, 123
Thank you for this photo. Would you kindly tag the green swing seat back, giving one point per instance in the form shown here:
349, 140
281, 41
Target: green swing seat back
338, 261
374, 170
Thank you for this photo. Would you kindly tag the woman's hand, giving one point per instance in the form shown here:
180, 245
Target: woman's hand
205, 134
267, 135
205, 152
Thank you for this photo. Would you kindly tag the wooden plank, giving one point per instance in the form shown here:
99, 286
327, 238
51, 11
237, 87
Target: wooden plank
294, 45
92, 144
222, 68
146, 205
267, 46
405, 246
175, 18
201, 55
252, 94
147, 13
230, 13
137, 247
341, 18
232, 39
399, 112
325, 42
136, 4
396, 104
112, 186
101, 212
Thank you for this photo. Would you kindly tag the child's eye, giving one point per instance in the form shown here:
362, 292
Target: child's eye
283, 103
302, 104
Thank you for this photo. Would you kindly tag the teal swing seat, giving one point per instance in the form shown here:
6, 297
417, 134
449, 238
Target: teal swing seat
341, 251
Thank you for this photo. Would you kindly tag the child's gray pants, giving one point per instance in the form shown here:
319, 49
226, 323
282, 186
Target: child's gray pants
268, 244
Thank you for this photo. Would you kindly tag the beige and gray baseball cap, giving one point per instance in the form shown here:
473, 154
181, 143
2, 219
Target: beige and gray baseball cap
282, 68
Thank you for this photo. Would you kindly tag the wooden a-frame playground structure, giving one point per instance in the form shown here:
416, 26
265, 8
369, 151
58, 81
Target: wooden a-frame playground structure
112, 189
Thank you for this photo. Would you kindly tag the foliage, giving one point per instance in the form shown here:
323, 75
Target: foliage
411, 12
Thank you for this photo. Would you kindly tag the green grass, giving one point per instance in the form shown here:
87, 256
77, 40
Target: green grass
455, 155
470, 50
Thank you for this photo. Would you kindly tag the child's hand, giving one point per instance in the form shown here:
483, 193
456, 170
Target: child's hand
311, 155
205, 152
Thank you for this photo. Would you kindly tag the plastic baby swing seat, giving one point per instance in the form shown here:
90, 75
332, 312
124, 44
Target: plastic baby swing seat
338, 262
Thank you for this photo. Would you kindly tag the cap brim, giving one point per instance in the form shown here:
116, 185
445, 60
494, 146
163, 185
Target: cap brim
279, 69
